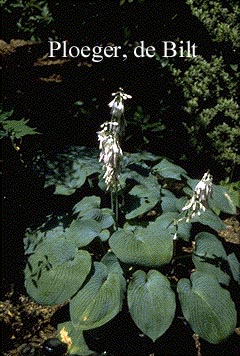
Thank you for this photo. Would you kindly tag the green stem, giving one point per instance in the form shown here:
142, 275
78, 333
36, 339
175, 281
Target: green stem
114, 206
116, 209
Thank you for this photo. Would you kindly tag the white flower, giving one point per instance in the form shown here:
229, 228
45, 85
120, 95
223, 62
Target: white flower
117, 108
109, 140
123, 95
111, 153
204, 188
199, 200
117, 104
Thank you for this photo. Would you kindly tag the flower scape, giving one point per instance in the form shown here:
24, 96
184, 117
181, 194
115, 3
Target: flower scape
103, 259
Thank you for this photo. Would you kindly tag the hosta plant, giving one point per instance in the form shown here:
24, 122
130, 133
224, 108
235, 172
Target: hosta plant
99, 257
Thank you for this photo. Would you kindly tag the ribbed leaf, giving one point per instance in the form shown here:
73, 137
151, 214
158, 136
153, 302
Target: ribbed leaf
210, 219
151, 302
103, 216
56, 271
86, 203
104, 235
82, 231
68, 170
99, 300
166, 221
106, 219
111, 262
149, 246
220, 200
52, 227
139, 158
207, 307
210, 257
168, 201
147, 195
89, 208
235, 267
169, 170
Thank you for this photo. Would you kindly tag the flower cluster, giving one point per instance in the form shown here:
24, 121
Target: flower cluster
117, 104
111, 153
109, 141
199, 200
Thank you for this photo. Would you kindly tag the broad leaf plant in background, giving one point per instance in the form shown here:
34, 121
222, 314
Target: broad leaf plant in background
99, 257
15, 130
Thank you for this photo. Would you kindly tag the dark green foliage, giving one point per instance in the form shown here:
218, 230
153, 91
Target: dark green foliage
211, 100
14, 129
207, 307
89, 257
222, 21
32, 17
210, 85
121, 260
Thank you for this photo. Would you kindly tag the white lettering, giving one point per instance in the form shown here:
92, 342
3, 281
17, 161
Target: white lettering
139, 49
166, 49
54, 48
85, 51
152, 49
70, 51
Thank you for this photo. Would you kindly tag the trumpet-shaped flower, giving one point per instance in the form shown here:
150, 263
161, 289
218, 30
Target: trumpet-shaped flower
117, 108
111, 153
109, 140
117, 104
199, 200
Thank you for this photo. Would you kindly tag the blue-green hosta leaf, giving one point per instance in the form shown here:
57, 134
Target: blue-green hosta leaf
210, 219
83, 231
235, 267
52, 227
234, 192
104, 235
63, 189
31, 241
149, 246
207, 307
167, 169
69, 333
67, 171
138, 158
99, 300
168, 201
56, 271
166, 221
128, 174
183, 229
147, 193
86, 204
220, 200
103, 216
110, 260
89, 208
192, 184
181, 202
106, 219
151, 302
210, 257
